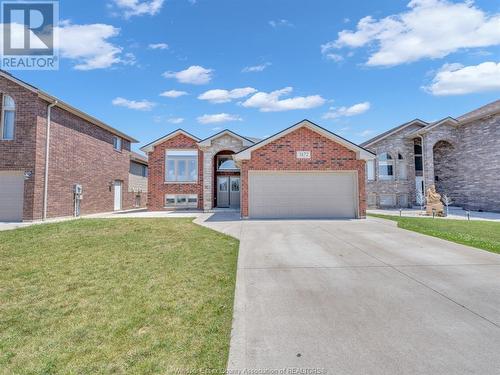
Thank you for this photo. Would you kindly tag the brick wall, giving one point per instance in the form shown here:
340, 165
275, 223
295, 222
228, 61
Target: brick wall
478, 157
394, 145
80, 152
19, 154
157, 188
326, 155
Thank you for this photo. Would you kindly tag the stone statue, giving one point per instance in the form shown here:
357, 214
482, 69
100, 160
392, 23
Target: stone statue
434, 203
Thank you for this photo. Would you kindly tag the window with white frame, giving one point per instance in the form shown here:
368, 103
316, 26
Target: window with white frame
402, 170
181, 200
385, 166
370, 170
117, 143
8, 118
181, 166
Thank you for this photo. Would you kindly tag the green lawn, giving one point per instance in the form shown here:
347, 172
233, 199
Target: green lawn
115, 296
481, 234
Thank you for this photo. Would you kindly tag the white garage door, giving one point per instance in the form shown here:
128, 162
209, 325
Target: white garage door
302, 194
11, 196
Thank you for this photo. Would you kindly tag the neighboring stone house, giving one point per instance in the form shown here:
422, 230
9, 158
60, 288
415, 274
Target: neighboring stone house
461, 156
84, 152
304, 171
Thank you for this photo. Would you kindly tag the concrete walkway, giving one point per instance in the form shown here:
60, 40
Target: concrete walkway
363, 297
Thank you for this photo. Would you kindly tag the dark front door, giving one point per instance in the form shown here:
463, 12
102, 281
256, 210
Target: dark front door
228, 191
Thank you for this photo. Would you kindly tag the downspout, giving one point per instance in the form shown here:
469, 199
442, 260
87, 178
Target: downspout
47, 153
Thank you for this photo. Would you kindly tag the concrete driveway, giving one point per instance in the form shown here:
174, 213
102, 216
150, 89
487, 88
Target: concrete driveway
362, 297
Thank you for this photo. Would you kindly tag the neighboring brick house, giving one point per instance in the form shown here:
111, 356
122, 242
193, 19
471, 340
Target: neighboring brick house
304, 171
460, 156
83, 151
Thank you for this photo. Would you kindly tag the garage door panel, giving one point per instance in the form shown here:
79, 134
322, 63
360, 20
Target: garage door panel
302, 195
11, 197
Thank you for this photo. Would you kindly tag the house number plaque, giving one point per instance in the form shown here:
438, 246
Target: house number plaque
303, 154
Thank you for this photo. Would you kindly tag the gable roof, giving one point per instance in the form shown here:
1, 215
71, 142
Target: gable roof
447, 120
65, 106
150, 146
207, 141
486, 110
360, 151
393, 131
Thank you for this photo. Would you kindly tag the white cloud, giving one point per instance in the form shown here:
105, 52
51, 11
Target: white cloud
195, 75
334, 57
158, 46
89, 46
271, 102
138, 8
280, 23
256, 68
142, 105
354, 110
175, 120
218, 118
456, 79
173, 94
429, 29
224, 96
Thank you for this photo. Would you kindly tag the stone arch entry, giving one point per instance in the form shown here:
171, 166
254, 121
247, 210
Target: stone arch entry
445, 168
230, 175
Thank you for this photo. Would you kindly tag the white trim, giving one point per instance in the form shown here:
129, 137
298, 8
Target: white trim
360, 152
176, 152
373, 170
177, 155
2, 117
149, 147
208, 141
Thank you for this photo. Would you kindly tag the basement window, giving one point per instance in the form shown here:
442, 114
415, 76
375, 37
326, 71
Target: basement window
181, 201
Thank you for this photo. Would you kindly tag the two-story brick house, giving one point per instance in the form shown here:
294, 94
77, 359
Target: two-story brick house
304, 171
460, 156
82, 151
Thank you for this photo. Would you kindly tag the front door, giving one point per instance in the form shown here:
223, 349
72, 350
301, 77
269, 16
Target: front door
118, 195
222, 191
234, 194
228, 191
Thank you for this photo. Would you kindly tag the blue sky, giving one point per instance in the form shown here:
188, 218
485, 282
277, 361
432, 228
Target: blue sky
354, 67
